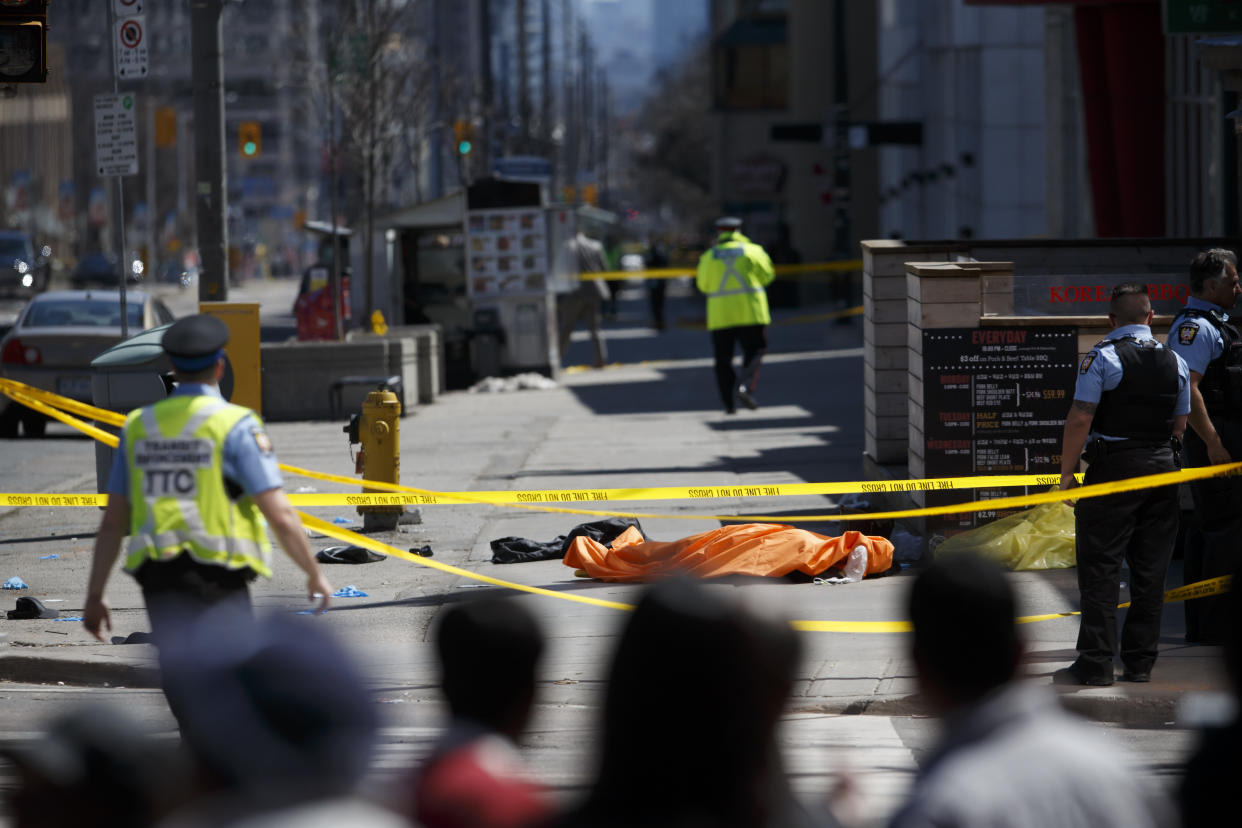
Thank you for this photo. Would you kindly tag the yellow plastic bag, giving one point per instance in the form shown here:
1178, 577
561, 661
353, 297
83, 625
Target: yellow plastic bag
1039, 538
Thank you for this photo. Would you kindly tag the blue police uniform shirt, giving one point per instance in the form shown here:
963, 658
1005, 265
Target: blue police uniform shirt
247, 457
1196, 339
1101, 371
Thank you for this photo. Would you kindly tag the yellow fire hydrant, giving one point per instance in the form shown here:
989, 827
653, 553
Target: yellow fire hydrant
378, 429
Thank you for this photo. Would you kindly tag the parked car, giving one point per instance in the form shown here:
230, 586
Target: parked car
23, 269
55, 338
102, 270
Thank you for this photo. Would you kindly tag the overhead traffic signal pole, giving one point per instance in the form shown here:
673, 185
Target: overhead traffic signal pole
209, 172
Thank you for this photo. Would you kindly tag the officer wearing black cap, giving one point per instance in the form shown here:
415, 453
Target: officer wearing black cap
192, 482
733, 274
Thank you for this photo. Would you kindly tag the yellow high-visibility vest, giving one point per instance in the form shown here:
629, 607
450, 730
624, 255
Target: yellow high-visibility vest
178, 502
733, 275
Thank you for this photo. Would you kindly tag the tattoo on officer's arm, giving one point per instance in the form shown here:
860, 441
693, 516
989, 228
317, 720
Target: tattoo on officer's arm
1086, 407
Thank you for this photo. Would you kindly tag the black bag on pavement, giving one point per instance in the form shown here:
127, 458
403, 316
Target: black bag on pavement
520, 550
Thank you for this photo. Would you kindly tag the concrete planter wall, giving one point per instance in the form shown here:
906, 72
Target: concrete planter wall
298, 376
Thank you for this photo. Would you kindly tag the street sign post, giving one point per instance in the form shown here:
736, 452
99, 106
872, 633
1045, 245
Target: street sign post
131, 46
116, 134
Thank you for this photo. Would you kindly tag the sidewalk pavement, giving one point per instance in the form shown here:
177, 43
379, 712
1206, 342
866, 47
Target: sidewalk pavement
640, 424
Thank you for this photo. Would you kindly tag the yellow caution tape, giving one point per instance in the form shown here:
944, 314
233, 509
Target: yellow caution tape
678, 272
333, 531
1095, 490
537, 500
49, 499
16, 391
820, 317
1197, 590
43, 408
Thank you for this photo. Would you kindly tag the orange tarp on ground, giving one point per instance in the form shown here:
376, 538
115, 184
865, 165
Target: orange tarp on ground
766, 549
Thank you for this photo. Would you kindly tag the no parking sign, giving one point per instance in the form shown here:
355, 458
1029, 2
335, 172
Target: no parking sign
130, 45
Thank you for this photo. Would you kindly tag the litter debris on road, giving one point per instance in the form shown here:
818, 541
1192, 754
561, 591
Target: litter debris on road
51, 557
15, 583
342, 521
421, 551
529, 381
350, 591
68, 618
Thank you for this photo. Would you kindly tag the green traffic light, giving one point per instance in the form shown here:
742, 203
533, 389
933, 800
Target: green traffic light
250, 148
464, 147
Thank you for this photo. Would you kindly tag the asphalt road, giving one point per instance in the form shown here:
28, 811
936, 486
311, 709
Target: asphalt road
652, 421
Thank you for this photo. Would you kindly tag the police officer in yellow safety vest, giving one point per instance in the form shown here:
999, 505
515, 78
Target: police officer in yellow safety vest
733, 275
193, 480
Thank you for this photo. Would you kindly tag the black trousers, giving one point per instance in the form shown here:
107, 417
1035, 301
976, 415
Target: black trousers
1214, 543
178, 591
1139, 528
754, 341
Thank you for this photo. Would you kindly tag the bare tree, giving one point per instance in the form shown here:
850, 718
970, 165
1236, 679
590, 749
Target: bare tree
673, 153
361, 69
381, 59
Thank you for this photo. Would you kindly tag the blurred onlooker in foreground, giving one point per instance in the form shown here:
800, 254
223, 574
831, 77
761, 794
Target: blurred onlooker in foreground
1207, 791
1009, 755
707, 754
94, 768
277, 724
489, 649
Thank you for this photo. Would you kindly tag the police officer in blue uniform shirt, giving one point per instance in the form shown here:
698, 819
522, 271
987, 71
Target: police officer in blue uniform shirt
1130, 405
1203, 335
196, 540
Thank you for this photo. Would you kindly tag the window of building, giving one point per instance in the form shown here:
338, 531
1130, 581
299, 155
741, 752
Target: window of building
751, 65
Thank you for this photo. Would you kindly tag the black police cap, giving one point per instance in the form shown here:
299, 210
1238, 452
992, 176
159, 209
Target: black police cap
200, 335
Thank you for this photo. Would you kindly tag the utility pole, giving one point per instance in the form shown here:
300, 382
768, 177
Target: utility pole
210, 193
841, 246
119, 183
586, 103
487, 149
569, 147
545, 75
605, 116
523, 76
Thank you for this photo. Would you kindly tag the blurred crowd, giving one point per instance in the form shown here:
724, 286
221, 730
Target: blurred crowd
279, 728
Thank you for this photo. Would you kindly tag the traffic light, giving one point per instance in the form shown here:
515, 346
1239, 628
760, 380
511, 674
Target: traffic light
249, 138
23, 41
463, 132
165, 127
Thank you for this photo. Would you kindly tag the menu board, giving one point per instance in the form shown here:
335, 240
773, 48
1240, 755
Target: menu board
995, 401
506, 252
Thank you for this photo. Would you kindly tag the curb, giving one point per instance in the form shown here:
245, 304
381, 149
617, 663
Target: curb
44, 670
1148, 710
1153, 709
